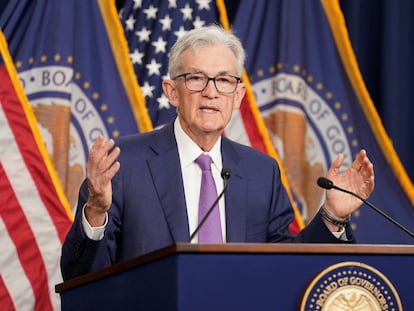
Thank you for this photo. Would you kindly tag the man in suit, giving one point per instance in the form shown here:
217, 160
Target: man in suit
142, 192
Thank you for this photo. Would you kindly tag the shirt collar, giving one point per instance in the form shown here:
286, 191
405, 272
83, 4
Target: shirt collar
190, 151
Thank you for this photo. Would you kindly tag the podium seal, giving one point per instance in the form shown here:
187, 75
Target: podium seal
350, 286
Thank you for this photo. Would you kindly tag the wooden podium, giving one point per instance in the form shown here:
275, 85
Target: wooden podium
232, 277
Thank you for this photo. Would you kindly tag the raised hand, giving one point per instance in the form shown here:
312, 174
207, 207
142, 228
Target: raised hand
100, 169
358, 178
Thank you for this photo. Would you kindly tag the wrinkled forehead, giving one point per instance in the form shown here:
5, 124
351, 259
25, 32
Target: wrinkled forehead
209, 58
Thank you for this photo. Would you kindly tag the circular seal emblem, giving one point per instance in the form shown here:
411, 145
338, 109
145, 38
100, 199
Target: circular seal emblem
309, 129
350, 286
67, 119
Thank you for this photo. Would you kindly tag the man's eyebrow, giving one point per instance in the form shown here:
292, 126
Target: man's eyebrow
223, 72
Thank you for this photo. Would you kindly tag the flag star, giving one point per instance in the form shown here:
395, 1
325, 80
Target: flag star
160, 45
147, 89
187, 12
203, 4
153, 68
198, 23
136, 57
158, 24
143, 35
130, 22
181, 32
166, 22
172, 4
137, 4
163, 102
151, 12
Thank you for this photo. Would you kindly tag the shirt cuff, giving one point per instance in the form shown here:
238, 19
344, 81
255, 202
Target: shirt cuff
94, 233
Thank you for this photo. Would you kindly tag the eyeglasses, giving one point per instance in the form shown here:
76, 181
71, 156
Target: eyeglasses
198, 81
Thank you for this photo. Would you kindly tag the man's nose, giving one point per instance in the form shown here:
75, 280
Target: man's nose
211, 87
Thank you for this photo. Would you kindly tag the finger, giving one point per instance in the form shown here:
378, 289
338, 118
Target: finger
108, 145
107, 159
103, 149
367, 168
99, 163
112, 167
358, 163
336, 165
97, 150
99, 154
113, 155
101, 146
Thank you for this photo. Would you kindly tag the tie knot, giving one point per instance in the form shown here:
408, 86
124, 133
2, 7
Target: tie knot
204, 161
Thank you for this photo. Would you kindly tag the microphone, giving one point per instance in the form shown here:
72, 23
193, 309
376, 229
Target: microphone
225, 174
327, 184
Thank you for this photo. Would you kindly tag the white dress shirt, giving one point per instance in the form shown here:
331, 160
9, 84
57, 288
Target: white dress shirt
191, 172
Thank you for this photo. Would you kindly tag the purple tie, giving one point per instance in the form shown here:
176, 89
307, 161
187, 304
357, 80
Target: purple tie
210, 231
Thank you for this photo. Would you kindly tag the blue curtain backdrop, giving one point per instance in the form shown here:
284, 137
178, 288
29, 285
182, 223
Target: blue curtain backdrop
381, 33
382, 36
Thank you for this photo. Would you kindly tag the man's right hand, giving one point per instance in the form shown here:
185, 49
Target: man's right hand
100, 169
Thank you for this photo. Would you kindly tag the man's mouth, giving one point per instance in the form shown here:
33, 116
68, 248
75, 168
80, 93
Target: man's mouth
208, 109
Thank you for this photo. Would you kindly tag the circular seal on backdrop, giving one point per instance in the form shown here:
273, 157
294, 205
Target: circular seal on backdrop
309, 129
68, 121
350, 286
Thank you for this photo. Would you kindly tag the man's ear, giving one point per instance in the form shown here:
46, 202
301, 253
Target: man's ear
239, 95
170, 90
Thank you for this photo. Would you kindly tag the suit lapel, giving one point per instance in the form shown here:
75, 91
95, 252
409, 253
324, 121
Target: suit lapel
166, 172
235, 197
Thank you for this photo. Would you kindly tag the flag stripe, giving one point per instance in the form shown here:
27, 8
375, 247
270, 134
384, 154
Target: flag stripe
19, 111
27, 252
13, 277
77, 92
236, 129
29, 198
5, 298
340, 34
26, 225
250, 126
30, 186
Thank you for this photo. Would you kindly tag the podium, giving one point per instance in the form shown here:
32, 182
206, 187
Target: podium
239, 277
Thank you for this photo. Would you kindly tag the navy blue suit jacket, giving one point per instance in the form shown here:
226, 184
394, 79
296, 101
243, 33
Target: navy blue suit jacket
149, 209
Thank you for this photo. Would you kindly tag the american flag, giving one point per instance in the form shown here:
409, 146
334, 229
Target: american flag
63, 52
34, 213
151, 27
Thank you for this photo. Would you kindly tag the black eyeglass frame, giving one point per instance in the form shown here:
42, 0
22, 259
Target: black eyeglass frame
184, 75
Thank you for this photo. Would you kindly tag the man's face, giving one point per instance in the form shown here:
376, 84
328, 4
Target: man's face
207, 112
